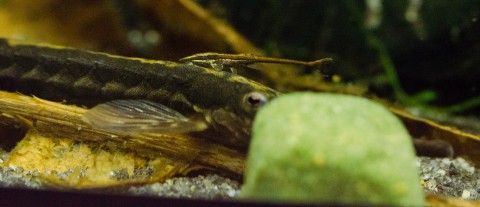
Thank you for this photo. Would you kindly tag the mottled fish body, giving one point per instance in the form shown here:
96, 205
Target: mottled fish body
138, 95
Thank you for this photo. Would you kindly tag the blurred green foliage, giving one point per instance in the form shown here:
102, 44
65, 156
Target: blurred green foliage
420, 51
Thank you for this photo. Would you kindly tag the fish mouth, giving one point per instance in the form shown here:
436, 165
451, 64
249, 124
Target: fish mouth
236, 129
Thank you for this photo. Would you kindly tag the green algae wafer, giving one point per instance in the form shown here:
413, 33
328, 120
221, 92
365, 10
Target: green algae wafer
330, 148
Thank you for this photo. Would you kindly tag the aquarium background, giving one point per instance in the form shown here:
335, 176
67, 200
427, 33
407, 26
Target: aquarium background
413, 52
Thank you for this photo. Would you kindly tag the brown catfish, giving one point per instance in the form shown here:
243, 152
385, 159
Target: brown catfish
134, 95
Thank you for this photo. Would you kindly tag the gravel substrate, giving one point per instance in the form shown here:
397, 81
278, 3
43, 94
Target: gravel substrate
17, 177
209, 187
449, 177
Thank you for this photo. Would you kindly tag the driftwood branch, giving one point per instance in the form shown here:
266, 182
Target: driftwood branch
59, 120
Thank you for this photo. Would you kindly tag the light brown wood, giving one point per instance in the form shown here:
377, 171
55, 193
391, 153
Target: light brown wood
58, 120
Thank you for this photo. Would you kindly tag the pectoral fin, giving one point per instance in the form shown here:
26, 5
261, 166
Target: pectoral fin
139, 116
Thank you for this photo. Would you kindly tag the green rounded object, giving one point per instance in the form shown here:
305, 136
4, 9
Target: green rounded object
330, 148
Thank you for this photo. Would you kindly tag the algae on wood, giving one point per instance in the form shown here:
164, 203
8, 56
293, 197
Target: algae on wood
59, 121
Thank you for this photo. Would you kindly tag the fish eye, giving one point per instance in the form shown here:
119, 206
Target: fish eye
255, 100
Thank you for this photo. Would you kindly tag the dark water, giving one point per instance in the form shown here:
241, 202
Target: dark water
433, 45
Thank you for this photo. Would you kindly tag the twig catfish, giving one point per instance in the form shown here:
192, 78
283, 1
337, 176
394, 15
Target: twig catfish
137, 95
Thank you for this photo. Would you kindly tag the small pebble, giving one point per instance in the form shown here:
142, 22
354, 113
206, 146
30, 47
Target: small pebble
465, 194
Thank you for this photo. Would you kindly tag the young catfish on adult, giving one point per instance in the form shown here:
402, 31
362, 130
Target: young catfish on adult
137, 95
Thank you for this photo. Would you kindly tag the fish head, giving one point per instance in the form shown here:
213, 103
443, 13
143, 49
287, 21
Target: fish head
237, 116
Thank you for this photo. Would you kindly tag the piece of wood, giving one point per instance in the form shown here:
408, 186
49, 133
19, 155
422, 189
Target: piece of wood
59, 120
464, 144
